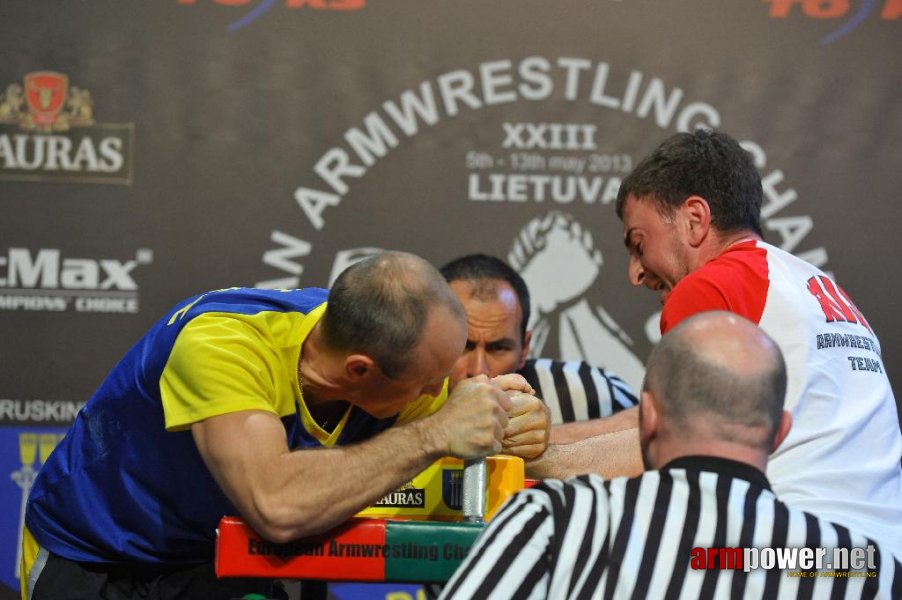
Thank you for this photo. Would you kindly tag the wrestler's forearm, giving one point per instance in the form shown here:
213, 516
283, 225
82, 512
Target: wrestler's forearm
470, 424
609, 455
342, 480
567, 433
285, 494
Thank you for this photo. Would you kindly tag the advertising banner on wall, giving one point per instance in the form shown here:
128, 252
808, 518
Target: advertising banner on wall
154, 150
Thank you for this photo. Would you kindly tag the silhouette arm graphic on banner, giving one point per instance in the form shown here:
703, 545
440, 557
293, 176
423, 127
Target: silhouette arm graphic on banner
556, 257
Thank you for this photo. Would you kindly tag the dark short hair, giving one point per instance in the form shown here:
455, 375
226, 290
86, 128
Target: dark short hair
702, 163
379, 307
476, 267
692, 385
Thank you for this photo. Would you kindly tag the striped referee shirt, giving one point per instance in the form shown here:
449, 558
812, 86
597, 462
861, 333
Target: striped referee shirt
636, 538
577, 391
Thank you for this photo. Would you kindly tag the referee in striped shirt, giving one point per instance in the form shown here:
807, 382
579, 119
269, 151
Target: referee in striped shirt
578, 396
704, 523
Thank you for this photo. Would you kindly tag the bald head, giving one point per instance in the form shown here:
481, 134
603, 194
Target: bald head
720, 374
379, 307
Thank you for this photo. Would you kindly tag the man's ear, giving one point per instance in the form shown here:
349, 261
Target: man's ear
782, 429
697, 213
359, 366
527, 338
649, 417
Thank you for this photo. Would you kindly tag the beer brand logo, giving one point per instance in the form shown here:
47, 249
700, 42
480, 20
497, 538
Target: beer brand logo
46, 104
48, 133
407, 497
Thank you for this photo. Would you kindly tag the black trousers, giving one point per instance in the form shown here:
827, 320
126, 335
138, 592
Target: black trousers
63, 579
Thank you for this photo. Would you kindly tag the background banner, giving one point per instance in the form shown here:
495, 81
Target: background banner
154, 150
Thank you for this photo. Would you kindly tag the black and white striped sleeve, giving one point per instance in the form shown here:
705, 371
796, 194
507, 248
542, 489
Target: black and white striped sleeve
531, 546
640, 538
577, 391
510, 556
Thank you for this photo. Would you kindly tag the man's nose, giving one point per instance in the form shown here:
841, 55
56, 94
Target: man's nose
477, 363
636, 272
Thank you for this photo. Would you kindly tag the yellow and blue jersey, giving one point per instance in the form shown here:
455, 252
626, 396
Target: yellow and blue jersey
127, 484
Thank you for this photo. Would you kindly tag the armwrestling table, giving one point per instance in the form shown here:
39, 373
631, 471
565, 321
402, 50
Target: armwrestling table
419, 533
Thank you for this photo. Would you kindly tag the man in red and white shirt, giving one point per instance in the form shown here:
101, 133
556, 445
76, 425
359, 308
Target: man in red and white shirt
691, 222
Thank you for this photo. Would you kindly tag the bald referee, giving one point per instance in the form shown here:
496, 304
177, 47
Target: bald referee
704, 522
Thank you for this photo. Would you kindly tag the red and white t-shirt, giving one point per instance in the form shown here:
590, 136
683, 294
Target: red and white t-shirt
841, 459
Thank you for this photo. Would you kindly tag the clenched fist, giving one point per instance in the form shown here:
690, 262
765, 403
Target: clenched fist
472, 422
529, 421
